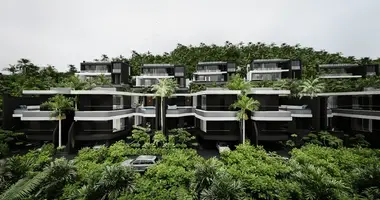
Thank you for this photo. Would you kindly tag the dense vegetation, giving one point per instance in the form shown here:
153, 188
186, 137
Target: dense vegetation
321, 166
26, 75
313, 171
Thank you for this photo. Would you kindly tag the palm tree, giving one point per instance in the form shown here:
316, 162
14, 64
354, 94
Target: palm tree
205, 172
12, 69
311, 87
75, 83
46, 183
59, 104
245, 103
237, 83
101, 80
116, 180
223, 187
104, 58
165, 88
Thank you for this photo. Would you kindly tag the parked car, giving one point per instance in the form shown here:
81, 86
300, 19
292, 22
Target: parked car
141, 163
222, 146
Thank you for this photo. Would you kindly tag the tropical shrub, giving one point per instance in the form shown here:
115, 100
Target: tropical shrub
323, 138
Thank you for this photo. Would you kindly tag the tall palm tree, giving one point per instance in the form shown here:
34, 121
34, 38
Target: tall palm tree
59, 104
245, 103
311, 87
237, 83
165, 88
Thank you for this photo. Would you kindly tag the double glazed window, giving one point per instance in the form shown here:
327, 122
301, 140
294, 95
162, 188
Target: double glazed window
271, 76
118, 124
117, 102
155, 72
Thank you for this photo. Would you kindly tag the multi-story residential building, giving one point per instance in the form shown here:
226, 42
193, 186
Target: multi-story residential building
106, 114
347, 70
151, 73
274, 69
117, 72
213, 72
25, 114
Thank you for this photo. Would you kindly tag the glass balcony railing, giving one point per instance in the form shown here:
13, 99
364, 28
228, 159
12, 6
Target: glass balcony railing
155, 74
336, 74
95, 71
265, 69
208, 70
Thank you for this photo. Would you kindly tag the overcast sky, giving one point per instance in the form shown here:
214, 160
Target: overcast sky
70, 31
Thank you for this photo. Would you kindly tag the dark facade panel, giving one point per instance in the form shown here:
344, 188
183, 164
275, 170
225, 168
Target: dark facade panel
219, 102
11, 103
267, 102
95, 102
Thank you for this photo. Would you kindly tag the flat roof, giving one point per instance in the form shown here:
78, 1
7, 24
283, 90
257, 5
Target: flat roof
270, 60
212, 63
338, 65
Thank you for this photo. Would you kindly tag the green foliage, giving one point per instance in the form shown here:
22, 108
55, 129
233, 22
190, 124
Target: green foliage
358, 140
223, 187
117, 152
159, 139
263, 176
316, 183
237, 83
7, 139
323, 138
311, 87
165, 87
24, 188
59, 104
244, 104
182, 138
196, 87
114, 181
140, 136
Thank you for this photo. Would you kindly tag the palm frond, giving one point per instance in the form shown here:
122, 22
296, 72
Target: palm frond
24, 188
165, 87
245, 103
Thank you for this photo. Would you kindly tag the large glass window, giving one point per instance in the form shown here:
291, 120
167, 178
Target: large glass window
155, 72
117, 102
203, 102
265, 66
272, 76
371, 70
118, 124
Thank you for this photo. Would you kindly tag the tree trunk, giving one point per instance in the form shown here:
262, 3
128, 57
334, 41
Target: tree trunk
162, 114
243, 125
59, 133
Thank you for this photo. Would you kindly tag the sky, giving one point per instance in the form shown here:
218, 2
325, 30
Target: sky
66, 32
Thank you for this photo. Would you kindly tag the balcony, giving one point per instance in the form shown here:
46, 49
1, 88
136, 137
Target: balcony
146, 111
34, 115
216, 115
102, 115
355, 113
174, 111
339, 75
271, 116
155, 74
209, 71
